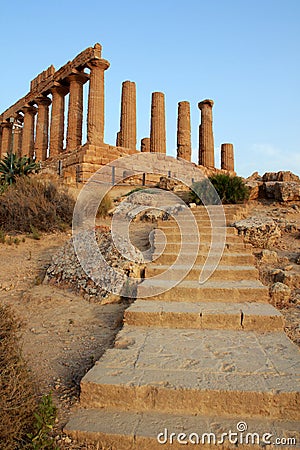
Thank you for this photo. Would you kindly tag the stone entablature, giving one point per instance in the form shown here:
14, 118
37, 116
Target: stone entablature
35, 124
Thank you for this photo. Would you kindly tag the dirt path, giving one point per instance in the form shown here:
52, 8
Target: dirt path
63, 334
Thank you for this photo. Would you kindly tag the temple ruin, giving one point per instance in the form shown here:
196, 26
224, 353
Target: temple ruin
35, 124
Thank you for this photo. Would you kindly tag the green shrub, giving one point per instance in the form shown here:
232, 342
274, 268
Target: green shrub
231, 190
13, 166
32, 204
44, 419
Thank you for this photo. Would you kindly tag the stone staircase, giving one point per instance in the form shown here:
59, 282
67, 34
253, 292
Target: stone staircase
196, 359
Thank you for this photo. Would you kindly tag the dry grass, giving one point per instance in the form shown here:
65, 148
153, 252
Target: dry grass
17, 397
34, 204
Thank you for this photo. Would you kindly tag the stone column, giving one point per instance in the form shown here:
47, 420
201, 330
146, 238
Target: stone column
206, 137
42, 128
95, 119
128, 115
57, 120
6, 138
227, 157
145, 145
28, 131
118, 140
17, 141
184, 145
75, 111
158, 123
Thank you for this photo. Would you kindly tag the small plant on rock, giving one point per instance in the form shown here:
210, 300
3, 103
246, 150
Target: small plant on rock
40, 438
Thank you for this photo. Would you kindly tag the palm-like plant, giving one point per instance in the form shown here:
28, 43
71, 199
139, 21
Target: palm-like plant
13, 166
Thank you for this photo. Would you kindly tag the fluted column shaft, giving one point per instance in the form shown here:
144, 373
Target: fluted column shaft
6, 138
227, 157
128, 115
95, 119
17, 142
57, 120
28, 131
145, 145
42, 128
75, 111
206, 137
184, 145
158, 123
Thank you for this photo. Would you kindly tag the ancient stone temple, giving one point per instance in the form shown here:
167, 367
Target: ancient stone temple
47, 123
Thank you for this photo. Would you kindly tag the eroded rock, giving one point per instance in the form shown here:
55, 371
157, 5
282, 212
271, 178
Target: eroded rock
261, 232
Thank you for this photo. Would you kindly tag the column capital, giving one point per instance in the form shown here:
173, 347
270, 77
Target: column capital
80, 77
59, 89
6, 124
100, 63
28, 109
206, 102
43, 100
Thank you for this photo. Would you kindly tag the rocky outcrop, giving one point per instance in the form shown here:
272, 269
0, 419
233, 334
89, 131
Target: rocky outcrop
283, 186
258, 231
280, 176
65, 269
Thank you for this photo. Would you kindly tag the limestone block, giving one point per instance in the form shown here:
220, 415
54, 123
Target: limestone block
268, 256
258, 231
280, 294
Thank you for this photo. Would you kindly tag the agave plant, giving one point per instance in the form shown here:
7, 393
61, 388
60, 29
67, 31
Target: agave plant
13, 166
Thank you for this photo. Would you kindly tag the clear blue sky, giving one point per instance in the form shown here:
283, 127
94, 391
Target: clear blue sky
243, 54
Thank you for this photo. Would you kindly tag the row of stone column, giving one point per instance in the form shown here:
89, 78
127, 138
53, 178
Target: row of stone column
35, 141
126, 137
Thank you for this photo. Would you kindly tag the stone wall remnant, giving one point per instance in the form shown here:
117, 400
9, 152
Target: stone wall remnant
206, 137
184, 145
158, 123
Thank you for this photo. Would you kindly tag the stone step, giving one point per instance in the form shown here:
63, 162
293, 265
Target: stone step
202, 221
119, 430
192, 291
214, 372
193, 237
204, 245
222, 272
227, 258
205, 229
201, 315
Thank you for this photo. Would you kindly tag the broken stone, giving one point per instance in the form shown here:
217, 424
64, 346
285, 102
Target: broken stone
280, 294
268, 256
258, 231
